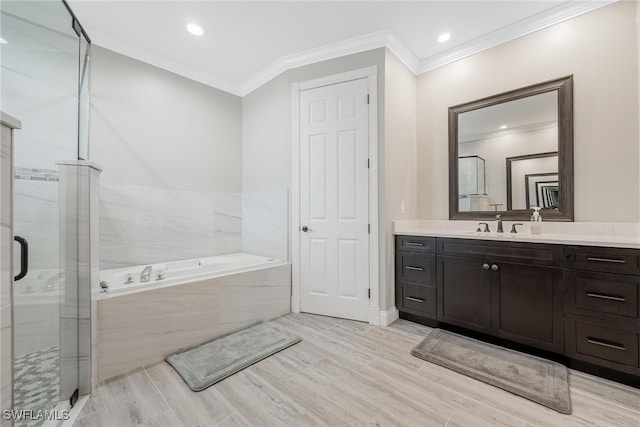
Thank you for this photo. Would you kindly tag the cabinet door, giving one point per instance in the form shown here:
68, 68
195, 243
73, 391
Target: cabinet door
463, 293
527, 305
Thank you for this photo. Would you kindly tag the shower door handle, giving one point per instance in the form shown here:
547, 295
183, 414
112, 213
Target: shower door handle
24, 257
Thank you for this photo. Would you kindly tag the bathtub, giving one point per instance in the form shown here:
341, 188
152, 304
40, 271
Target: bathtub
139, 323
126, 280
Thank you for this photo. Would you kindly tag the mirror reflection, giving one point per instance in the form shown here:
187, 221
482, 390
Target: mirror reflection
508, 155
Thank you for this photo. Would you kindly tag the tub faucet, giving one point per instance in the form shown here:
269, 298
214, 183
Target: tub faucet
146, 274
499, 219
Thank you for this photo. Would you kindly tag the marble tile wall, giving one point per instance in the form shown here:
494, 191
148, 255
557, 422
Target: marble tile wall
79, 192
265, 223
6, 268
144, 225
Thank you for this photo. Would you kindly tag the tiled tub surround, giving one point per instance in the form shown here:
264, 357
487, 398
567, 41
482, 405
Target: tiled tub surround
612, 234
141, 328
145, 225
264, 223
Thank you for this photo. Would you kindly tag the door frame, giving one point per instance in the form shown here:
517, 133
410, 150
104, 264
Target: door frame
371, 74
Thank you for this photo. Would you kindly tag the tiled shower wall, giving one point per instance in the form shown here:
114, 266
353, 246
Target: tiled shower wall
144, 225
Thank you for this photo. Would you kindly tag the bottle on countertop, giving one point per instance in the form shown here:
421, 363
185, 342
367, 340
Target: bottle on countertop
536, 221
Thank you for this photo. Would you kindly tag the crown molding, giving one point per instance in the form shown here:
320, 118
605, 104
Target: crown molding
537, 22
402, 52
334, 50
381, 39
127, 49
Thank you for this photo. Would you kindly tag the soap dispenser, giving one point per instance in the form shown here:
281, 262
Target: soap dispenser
536, 221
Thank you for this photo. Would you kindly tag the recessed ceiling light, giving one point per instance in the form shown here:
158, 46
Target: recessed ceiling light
444, 37
503, 127
3, 41
196, 29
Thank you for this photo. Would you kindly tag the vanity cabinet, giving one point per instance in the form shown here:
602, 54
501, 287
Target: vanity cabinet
416, 275
510, 290
582, 302
602, 320
464, 293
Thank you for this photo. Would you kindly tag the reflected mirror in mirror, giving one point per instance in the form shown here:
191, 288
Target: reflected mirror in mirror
512, 151
526, 174
494, 139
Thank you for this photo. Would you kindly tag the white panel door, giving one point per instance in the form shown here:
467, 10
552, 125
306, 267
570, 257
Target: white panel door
334, 200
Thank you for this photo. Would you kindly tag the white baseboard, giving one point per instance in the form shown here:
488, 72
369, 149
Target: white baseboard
295, 304
387, 317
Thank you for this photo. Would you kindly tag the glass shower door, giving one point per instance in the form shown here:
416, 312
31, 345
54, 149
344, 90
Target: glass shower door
40, 75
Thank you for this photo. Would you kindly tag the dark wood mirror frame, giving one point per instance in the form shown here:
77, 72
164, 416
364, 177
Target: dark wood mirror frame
564, 86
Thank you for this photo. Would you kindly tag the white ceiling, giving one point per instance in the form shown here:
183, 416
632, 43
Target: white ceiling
249, 43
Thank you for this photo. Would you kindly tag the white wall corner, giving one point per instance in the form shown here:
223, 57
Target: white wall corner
387, 317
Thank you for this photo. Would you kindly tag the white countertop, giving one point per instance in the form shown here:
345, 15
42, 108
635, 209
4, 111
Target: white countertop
620, 235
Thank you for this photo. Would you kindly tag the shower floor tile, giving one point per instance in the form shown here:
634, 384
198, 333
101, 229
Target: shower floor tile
37, 382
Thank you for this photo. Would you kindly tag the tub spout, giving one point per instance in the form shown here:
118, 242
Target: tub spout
146, 274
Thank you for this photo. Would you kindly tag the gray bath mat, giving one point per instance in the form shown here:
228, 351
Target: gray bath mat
534, 378
213, 361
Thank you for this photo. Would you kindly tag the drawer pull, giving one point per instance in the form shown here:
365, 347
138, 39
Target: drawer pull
413, 244
414, 268
415, 299
609, 297
614, 261
606, 344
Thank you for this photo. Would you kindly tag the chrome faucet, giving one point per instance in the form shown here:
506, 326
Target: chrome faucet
146, 274
499, 219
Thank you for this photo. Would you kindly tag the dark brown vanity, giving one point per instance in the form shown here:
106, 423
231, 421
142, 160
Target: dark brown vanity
579, 303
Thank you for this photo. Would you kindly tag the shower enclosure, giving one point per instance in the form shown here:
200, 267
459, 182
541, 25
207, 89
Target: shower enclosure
44, 84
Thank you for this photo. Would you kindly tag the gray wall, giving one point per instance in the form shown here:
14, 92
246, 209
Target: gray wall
266, 139
152, 128
171, 150
266, 142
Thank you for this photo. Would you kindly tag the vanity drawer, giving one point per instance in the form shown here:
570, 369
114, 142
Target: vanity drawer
602, 343
609, 260
417, 299
416, 268
494, 251
416, 244
610, 296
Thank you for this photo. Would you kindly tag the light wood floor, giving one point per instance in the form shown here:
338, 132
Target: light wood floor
347, 373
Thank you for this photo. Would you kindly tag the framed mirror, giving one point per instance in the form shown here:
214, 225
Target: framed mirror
513, 151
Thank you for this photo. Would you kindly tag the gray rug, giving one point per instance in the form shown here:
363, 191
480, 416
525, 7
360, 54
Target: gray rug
534, 378
213, 361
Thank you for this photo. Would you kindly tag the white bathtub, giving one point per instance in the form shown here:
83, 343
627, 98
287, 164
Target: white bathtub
126, 280
198, 300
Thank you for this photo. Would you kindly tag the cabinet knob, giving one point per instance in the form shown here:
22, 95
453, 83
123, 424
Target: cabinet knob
494, 267
485, 266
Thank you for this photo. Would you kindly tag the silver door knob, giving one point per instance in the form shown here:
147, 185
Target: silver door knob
485, 266
494, 267
305, 229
